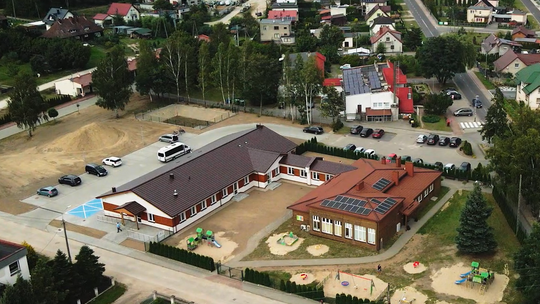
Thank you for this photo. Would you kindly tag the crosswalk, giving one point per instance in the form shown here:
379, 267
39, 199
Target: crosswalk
471, 125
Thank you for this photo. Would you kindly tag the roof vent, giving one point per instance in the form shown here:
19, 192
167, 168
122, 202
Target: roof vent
113, 189
171, 176
175, 193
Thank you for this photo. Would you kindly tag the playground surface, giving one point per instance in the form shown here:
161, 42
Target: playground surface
408, 294
277, 247
310, 277
241, 220
356, 285
443, 281
223, 254
317, 250
414, 267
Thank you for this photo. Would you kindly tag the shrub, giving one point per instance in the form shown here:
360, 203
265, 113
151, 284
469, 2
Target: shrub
431, 118
182, 255
467, 148
337, 125
5, 119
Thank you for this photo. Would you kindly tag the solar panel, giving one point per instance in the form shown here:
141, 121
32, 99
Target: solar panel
355, 203
366, 211
360, 210
325, 203
331, 204
362, 202
376, 201
354, 209
378, 186
350, 200
337, 205
390, 201
338, 198
348, 208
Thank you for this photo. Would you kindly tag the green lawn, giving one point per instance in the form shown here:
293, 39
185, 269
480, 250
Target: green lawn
432, 203
487, 84
92, 11
97, 53
111, 295
437, 126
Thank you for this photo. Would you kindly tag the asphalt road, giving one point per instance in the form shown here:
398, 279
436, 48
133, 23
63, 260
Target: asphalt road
533, 9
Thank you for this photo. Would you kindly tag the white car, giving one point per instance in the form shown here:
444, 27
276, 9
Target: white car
369, 152
449, 167
421, 139
112, 161
360, 150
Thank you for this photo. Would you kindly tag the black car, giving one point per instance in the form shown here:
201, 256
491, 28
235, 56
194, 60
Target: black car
70, 179
418, 161
432, 139
444, 141
349, 147
454, 95
356, 129
438, 165
465, 166
314, 130
476, 102
455, 142
450, 89
366, 132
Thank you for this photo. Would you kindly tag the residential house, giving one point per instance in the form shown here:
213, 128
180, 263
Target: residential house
495, 45
179, 193
76, 85
4, 22
125, 10
338, 20
284, 15
391, 40
369, 205
513, 17
319, 59
56, 14
338, 10
12, 263
103, 20
481, 12
523, 32
203, 37
368, 5
377, 11
512, 62
292, 6
74, 27
278, 31
333, 82
349, 40
528, 86
380, 22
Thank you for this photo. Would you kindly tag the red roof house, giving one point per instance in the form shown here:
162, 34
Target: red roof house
125, 10
403, 93
332, 82
320, 59
283, 14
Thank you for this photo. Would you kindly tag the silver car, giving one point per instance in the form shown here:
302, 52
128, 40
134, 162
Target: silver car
168, 138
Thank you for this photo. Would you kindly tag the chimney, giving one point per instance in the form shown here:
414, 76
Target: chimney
171, 175
360, 185
175, 193
113, 189
259, 126
395, 177
398, 161
383, 160
409, 167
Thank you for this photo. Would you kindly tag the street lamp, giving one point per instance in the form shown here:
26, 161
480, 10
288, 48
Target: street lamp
65, 230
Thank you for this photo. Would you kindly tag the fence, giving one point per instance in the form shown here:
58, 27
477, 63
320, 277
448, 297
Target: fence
509, 209
230, 272
171, 299
145, 238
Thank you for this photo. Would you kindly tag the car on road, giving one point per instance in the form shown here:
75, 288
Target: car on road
366, 132
454, 95
314, 130
378, 133
444, 141
168, 138
432, 139
349, 147
421, 139
465, 166
463, 112
95, 169
356, 129
438, 165
112, 161
370, 152
449, 167
359, 150
418, 161
47, 191
476, 102
455, 142
70, 179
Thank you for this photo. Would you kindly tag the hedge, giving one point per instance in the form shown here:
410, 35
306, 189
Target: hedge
348, 299
263, 278
182, 255
431, 118
5, 119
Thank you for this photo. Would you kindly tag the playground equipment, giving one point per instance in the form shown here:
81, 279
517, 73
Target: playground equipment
460, 281
346, 283
192, 244
477, 277
404, 300
303, 276
209, 238
288, 239
416, 264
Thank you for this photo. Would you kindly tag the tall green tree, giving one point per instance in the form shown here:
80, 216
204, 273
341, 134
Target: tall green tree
162, 5
289, 89
65, 276
412, 39
147, 73
219, 66
331, 35
87, 264
475, 236
496, 124
527, 263
31, 255
220, 34
204, 68
309, 81
112, 81
243, 61
331, 104
263, 80
26, 105
46, 290
437, 104
231, 69
19, 293
172, 57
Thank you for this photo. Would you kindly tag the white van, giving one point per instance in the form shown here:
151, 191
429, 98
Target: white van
173, 151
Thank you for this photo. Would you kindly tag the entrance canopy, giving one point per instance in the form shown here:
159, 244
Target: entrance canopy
131, 208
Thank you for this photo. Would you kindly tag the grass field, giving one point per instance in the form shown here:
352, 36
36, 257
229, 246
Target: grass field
97, 53
92, 11
437, 126
111, 295
487, 84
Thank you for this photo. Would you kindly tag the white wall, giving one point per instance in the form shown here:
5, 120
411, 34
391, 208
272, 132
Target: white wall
67, 87
7, 279
123, 198
392, 41
531, 100
335, 10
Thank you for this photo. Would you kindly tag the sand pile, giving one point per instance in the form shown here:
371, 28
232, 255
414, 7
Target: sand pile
279, 249
409, 295
90, 137
317, 250
409, 268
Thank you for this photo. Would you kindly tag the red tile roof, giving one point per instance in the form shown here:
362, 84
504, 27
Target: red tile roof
279, 14
121, 9
132, 64
388, 74
509, 57
100, 17
203, 37
383, 30
84, 80
527, 32
332, 82
405, 100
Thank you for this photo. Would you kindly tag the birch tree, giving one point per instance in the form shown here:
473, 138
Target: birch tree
172, 58
288, 85
26, 105
219, 66
231, 70
246, 51
204, 68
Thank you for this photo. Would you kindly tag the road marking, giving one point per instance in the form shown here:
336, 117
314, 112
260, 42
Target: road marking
470, 125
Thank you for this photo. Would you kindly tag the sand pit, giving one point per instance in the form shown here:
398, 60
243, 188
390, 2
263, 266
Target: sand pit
409, 268
409, 295
91, 137
359, 285
317, 250
277, 248
443, 282
310, 277
222, 254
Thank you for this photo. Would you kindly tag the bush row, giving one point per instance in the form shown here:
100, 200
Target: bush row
182, 255
5, 119
257, 277
430, 118
313, 146
305, 291
348, 299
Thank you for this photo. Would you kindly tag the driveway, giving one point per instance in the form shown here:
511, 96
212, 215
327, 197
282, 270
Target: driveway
256, 6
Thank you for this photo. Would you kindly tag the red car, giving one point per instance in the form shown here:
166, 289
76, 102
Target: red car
378, 133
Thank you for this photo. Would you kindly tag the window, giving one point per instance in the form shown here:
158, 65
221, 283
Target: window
315, 175
193, 210
409, 96
246, 180
387, 38
264, 28
284, 27
224, 193
303, 173
419, 199
151, 217
327, 226
537, 100
14, 268
316, 223
431, 188
371, 236
328, 177
290, 171
276, 28
214, 199
392, 47
276, 171
516, 65
203, 205
337, 228
360, 233
182, 217
348, 230
426, 192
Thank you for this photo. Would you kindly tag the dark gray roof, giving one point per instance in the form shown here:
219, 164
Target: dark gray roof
10, 252
55, 14
296, 160
383, 20
209, 169
320, 165
133, 207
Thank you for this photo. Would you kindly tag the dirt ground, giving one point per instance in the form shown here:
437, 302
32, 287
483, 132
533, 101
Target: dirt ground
281, 243
411, 269
79, 229
239, 221
408, 295
359, 285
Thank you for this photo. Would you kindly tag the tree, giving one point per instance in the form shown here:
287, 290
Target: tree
332, 104
245, 53
112, 82
231, 70
526, 263
47, 291
290, 90
496, 124
437, 104
309, 81
31, 255
443, 57
19, 293
305, 41
87, 264
381, 48
219, 64
475, 236
412, 39
146, 69
204, 68
26, 105
64, 275
220, 34
173, 59
331, 35
263, 80
165, 5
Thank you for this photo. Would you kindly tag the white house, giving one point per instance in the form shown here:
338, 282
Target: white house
55, 14
389, 38
381, 21
125, 10
76, 85
528, 86
495, 45
12, 262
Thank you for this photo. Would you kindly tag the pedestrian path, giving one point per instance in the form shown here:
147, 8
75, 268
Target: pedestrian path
471, 125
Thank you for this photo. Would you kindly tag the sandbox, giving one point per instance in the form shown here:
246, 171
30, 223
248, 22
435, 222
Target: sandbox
317, 250
362, 286
408, 295
223, 254
282, 243
414, 267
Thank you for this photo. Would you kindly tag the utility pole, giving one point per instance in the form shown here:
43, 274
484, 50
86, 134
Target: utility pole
67, 242
13, 5
519, 205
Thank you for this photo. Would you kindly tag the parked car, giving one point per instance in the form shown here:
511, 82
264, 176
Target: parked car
438, 165
421, 139
391, 157
370, 152
454, 95
418, 161
47, 191
112, 161
314, 130
465, 166
168, 138
406, 158
378, 133
359, 150
356, 129
95, 169
463, 112
366, 132
455, 142
70, 179
449, 167
349, 147
444, 141
450, 89
432, 139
